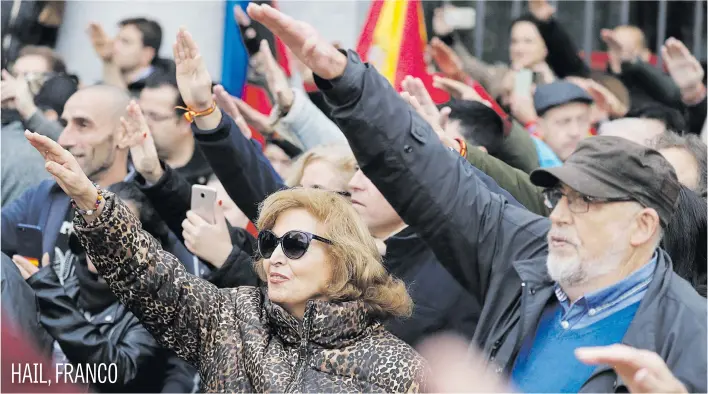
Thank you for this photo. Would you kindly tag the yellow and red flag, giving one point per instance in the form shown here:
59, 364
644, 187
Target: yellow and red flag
394, 41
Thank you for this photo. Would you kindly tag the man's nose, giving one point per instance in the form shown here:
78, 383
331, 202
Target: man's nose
561, 212
67, 137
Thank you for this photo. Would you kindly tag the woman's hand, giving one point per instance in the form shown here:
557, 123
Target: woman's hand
27, 269
227, 102
142, 147
641, 370
522, 108
67, 172
685, 70
193, 78
210, 242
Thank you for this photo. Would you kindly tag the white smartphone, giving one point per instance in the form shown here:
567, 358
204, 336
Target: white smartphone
203, 200
460, 18
523, 81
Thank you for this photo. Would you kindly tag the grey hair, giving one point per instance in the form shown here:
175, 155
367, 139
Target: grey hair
692, 144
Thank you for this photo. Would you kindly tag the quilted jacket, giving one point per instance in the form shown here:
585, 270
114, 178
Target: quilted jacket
236, 338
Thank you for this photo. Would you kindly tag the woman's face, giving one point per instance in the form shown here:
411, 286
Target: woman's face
291, 283
323, 175
527, 47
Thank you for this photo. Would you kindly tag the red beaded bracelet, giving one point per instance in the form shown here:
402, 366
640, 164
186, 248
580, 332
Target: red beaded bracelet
90, 212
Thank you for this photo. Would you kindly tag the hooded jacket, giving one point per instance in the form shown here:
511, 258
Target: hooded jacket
237, 338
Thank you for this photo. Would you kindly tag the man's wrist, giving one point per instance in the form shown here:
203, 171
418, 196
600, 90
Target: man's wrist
27, 110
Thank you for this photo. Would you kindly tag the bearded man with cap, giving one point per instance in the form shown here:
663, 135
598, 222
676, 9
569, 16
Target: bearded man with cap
582, 301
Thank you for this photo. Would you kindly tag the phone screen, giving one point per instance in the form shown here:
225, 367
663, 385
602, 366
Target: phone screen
29, 243
523, 81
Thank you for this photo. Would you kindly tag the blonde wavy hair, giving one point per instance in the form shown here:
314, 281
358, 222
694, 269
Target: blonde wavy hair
338, 155
357, 270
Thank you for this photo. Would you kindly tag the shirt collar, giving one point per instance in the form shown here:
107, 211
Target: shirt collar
145, 73
611, 295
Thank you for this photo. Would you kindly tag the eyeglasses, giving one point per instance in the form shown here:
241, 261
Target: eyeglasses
577, 203
294, 243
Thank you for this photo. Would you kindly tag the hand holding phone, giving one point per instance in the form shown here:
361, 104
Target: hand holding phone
203, 202
523, 80
29, 243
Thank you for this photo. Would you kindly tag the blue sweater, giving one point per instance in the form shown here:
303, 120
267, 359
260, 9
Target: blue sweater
547, 363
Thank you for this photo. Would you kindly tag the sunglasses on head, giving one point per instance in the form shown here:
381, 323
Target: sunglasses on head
294, 243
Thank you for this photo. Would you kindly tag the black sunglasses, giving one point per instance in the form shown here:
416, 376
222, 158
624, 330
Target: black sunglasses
294, 243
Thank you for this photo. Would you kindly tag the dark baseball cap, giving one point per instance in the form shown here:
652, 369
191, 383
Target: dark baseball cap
558, 93
613, 167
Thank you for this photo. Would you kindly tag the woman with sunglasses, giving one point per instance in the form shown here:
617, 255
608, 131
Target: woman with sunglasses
315, 327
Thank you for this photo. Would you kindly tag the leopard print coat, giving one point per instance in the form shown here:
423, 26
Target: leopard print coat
237, 339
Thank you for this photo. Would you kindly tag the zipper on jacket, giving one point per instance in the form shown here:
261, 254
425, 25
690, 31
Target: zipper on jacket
520, 338
302, 355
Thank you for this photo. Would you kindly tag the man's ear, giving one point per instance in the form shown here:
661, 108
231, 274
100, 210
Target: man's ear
646, 227
51, 114
148, 55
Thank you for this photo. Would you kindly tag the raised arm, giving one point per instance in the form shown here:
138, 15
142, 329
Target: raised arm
431, 187
153, 284
240, 165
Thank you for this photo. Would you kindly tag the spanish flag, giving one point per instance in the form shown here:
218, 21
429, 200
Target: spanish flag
394, 41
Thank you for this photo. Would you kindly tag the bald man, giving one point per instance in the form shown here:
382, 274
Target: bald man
632, 38
639, 130
93, 135
93, 132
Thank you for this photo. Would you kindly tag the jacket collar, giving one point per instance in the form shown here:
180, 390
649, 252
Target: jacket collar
328, 324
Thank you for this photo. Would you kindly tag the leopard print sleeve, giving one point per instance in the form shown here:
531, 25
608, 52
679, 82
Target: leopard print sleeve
180, 310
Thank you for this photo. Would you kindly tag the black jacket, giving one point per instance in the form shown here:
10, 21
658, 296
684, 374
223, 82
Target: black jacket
114, 335
440, 303
497, 251
19, 304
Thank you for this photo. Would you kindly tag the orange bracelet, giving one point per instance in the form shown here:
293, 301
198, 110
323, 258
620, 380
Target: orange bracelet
191, 114
463, 146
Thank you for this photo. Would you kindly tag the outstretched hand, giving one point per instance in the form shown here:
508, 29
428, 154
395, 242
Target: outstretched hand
642, 371
193, 79
254, 118
541, 9
276, 79
142, 147
684, 69
228, 103
303, 40
446, 59
102, 43
65, 170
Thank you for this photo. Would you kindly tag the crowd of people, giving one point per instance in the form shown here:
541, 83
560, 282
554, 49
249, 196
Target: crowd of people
547, 237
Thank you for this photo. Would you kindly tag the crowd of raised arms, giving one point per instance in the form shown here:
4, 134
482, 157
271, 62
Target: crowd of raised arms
543, 230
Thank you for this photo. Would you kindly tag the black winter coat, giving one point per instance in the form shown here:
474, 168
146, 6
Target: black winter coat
496, 251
